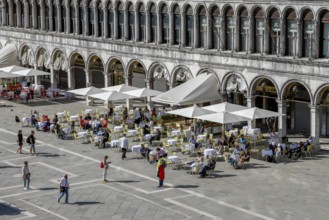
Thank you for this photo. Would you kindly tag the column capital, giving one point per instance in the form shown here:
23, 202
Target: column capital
314, 107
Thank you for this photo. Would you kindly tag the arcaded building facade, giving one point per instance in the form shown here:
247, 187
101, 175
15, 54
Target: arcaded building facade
271, 54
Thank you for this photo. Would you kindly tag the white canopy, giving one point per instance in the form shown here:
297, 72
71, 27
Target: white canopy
7, 75
111, 96
223, 117
31, 72
120, 88
256, 113
145, 92
8, 55
203, 88
87, 91
225, 107
13, 68
191, 112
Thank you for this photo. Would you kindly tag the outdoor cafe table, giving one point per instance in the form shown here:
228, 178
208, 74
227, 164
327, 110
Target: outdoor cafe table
147, 137
136, 149
98, 138
26, 121
83, 134
174, 159
245, 130
190, 147
131, 133
115, 143
209, 152
157, 127
234, 132
60, 114
89, 111
202, 137
118, 128
254, 131
74, 117
266, 152
171, 142
175, 132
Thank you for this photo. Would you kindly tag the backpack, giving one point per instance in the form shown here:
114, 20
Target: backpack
28, 140
101, 165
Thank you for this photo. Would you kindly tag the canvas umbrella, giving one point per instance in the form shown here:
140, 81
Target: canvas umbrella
31, 72
111, 96
223, 117
13, 68
87, 91
256, 113
191, 112
144, 92
121, 88
4, 74
225, 107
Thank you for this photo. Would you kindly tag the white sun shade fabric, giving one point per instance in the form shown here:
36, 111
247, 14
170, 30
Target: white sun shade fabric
120, 88
191, 112
111, 96
87, 91
225, 107
8, 55
145, 92
256, 113
203, 88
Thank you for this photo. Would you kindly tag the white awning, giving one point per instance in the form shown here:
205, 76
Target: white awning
8, 55
203, 88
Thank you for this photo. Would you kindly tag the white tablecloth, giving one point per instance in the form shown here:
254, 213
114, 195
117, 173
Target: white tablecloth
67, 130
174, 159
98, 138
209, 152
60, 114
175, 132
147, 136
89, 111
293, 146
26, 120
171, 142
83, 134
190, 147
267, 152
115, 143
254, 131
74, 117
202, 137
131, 133
50, 94
271, 140
118, 128
245, 130
157, 127
136, 149
234, 132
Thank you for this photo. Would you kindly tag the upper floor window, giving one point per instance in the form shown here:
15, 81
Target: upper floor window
307, 33
291, 33
81, 18
71, 29
121, 15
189, 26
203, 25
153, 23
47, 14
14, 14
110, 21
55, 17
177, 25
141, 17
91, 27
215, 28
259, 30
229, 29
244, 30
275, 29
131, 22
63, 18
164, 24
324, 35
100, 20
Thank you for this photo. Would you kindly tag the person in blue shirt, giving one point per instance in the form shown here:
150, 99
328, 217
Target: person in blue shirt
192, 140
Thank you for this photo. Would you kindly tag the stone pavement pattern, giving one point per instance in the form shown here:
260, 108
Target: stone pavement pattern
293, 190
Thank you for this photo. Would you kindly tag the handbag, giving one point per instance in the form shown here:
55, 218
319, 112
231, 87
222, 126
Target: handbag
61, 189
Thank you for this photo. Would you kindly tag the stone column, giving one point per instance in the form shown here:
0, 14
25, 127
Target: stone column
129, 103
315, 124
209, 33
11, 14
136, 26
196, 31
183, 31
148, 27
266, 37
69, 78
282, 123
52, 77
299, 39
115, 24
251, 36
171, 28
4, 17
149, 101
86, 19
87, 78
237, 34
26, 15
251, 104
222, 34
282, 38
35, 76
315, 53
106, 18
43, 17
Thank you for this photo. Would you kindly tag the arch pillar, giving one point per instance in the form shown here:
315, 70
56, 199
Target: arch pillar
251, 104
315, 123
171, 28
35, 76
69, 78
282, 123
183, 30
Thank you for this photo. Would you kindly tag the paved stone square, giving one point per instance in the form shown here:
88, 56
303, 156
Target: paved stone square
288, 190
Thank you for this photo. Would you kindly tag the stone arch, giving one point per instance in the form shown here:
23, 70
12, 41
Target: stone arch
239, 8
300, 12
136, 73
324, 88
258, 78
290, 83
115, 71
78, 70
42, 57
287, 9
236, 87
225, 7
184, 6
149, 4
173, 5
159, 77
95, 67
270, 9
319, 12
227, 76
209, 71
180, 74
90, 59
26, 55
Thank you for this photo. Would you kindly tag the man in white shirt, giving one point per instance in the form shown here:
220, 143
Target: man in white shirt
124, 145
64, 189
162, 112
137, 116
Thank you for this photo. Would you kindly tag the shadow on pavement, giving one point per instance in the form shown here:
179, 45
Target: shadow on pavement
4, 167
124, 181
186, 186
7, 210
86, 203
47, 188
49, 155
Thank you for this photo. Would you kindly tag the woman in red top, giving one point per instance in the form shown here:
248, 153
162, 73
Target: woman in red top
81, 122
105, 122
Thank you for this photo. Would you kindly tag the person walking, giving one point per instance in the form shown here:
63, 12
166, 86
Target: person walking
161, 168
106, 167
20, 142
64, 189
124, 146
26, 175
31, 142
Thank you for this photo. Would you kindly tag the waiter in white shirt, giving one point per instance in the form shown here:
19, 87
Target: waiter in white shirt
124, 145
64, 189
137, 116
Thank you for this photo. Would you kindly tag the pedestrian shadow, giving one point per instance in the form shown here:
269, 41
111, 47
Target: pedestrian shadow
86, 203
7, 166
255, 166
185, 186
215, 176
8, 210
49, 155
47, 188
124, 181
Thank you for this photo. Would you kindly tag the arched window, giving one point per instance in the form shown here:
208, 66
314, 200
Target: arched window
14, 14
324, 35
7, 13
141, 17
81, 19
291, 33
153, 23
72, 18
110, 20
244, 30
189, 26
164, 24
63, 17
121, 15
39, 16
91, 19
47, 14
216, 23
229, 29
275, 29
202, 16
177, 25
55, 17
131, 22
0, 13
307, 33
100, 20
259, 30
